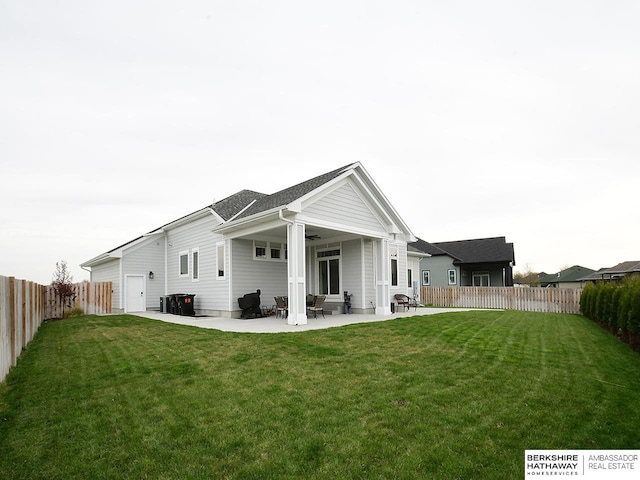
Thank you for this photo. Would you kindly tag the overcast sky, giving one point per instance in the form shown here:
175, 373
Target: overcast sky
476, 119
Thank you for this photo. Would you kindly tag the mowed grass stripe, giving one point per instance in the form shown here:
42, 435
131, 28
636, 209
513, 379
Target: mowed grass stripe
446, 396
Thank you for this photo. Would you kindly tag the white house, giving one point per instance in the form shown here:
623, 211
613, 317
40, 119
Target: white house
333, 233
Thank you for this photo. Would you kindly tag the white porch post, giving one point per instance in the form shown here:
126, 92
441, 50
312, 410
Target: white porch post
297, 289
383, 281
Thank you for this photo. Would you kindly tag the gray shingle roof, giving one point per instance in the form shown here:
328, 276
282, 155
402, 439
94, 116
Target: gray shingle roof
571, 274
480, 250
232, 205
290, 194
618, 270
426, 247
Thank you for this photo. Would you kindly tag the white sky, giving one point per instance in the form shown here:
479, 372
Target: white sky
476, 119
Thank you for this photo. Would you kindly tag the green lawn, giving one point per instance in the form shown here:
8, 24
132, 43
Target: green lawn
450, 396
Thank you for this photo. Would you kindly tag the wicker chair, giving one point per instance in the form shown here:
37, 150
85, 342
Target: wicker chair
318, 306
282, 308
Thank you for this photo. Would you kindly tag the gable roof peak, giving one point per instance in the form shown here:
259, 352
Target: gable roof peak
290, 194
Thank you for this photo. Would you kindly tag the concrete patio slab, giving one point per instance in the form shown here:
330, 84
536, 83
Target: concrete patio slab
279, 325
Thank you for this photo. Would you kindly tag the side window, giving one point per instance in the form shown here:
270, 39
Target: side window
452, 277
426, 278
195, 264
394, 265
220, 260
183, 264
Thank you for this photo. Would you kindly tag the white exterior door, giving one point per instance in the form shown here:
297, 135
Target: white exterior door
135, 299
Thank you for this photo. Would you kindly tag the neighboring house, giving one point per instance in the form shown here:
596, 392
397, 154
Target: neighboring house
615, 273
330, 234
482, 262
567, 278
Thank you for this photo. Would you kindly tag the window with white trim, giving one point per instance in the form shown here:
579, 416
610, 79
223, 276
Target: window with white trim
195, 264
426, 278
394, 265
410, 278
220, 260
264, 250
183, 263
481, 279
329, 271
453, 280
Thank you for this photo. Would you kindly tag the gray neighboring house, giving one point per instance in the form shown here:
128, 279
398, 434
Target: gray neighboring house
615, 273
482, 262
333, 233
568, 278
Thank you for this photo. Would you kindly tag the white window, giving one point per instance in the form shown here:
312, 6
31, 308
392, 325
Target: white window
426, 278
183, 263
481, 279
220, 260
260, 249
410, 278
394, 265
195, 264
263, 250
329, 272
452, 277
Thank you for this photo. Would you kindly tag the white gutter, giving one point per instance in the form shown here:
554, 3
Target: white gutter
281, 216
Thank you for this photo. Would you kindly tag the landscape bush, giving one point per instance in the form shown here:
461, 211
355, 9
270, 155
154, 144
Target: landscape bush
615, 306
73, 312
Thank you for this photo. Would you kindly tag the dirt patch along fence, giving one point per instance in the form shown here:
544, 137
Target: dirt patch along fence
24, 305
535, 299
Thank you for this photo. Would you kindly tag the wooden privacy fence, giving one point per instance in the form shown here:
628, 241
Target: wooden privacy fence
534, 299
92, 298
21, 314
25, 305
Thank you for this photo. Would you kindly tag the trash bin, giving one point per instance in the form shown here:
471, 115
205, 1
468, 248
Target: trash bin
185, 304
172, 304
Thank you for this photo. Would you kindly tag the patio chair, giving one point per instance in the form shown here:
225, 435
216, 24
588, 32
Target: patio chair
281, 307
402, 301
318, 306
310, 299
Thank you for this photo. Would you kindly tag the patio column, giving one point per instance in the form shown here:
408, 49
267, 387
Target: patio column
297, 288
383, 281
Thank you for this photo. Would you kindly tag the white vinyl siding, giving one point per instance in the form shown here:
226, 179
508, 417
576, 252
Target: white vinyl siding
142, 259
250, 275
369, 275
346, 207
210, 294
352, 259
109, 272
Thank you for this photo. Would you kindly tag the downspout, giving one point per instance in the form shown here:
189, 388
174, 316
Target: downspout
281, 216
86, 270
166, 265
